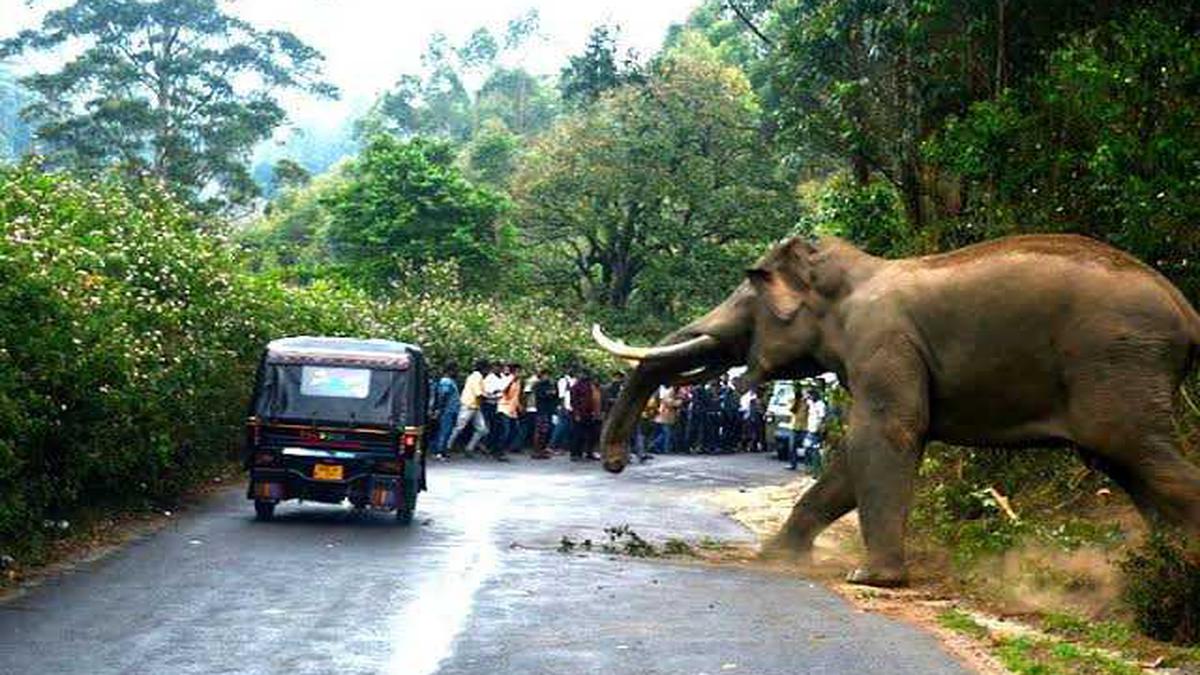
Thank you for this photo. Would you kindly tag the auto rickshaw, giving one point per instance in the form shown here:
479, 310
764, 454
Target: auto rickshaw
336, 419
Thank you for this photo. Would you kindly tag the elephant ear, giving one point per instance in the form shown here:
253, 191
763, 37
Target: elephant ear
780, 296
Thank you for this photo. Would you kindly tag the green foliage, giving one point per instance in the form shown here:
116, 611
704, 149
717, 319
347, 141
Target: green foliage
125, 349
961, 622
870, 216
1162, 587
598, 69
649, 202
176, 88
292, 232
406, 202
438, 100
130, 339
525, 104
288, 174
1104, 143
1103, 634
492, 156
957, 510
1031, 656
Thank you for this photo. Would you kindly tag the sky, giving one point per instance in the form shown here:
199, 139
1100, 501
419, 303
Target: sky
368, 44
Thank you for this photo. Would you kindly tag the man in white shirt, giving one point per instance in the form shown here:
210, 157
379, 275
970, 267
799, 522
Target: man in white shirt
560, 438
494, 384
812, 430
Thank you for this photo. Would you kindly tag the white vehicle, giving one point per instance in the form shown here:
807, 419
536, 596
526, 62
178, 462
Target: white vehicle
780, 421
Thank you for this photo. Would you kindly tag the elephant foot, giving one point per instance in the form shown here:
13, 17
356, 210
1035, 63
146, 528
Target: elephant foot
878, 578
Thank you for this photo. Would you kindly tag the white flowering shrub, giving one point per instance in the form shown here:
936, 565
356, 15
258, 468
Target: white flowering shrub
129, 338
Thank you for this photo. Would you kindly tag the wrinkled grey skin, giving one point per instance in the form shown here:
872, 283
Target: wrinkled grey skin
1044, 340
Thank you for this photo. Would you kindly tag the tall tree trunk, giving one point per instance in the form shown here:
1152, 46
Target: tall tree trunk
910, 129
1001, 39
912, 194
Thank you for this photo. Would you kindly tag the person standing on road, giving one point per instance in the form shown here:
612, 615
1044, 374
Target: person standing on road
730, 420
751, 410
445, 409
585, 417
561, 438
808, 430
469, 411
709, 409
644, 432
528, 412
795, 431
545, 396
494, 383
509, 412
813, 431
668, 416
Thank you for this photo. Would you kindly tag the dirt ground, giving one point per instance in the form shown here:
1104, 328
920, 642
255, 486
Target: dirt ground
764, 510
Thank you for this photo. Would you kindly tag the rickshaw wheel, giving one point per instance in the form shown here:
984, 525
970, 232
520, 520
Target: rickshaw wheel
264, 510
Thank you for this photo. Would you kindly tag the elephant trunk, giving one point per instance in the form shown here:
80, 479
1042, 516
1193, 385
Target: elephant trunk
701, 350
625, 413
644, 380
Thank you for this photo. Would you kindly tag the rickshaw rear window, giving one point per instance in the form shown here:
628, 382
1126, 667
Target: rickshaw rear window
335, 382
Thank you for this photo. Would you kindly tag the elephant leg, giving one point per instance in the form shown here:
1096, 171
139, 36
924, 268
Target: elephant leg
830, 498
1163, 485
884, 447
885, 476
1134, 443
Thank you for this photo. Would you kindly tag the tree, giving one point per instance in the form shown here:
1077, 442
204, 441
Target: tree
441, 102
523, 102
1104, 141
404, 202
492, 155
288, 174
869, 84
176, 88
653, 198
598, 69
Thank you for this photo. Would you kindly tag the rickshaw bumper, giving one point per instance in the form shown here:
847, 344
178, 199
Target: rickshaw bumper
376, 490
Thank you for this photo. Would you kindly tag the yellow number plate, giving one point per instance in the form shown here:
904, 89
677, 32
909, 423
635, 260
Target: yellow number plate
327, 471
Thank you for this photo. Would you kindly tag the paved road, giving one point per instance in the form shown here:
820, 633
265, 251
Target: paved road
476, 587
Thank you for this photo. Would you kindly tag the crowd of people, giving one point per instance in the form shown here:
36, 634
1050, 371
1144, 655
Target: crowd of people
500, 409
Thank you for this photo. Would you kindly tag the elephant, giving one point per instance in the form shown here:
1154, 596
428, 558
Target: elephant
1025, 341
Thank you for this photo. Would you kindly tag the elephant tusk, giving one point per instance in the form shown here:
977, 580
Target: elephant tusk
695, 346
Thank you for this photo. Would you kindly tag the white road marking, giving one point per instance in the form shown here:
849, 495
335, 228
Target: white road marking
424, 630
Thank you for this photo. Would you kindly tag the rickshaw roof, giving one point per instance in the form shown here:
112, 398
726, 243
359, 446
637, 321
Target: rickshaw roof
339, 351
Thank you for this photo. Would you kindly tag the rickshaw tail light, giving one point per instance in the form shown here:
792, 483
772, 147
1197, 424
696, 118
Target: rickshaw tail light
410, 442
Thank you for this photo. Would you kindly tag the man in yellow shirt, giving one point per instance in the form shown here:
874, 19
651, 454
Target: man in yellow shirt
469, 412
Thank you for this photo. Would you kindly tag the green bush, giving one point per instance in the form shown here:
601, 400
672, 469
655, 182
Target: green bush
1162, 588
128, 340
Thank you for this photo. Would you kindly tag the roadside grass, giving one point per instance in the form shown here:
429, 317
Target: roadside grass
960, 622
1030, 656
1060, 643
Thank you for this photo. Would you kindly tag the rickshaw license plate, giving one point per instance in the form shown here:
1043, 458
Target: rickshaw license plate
327, 471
